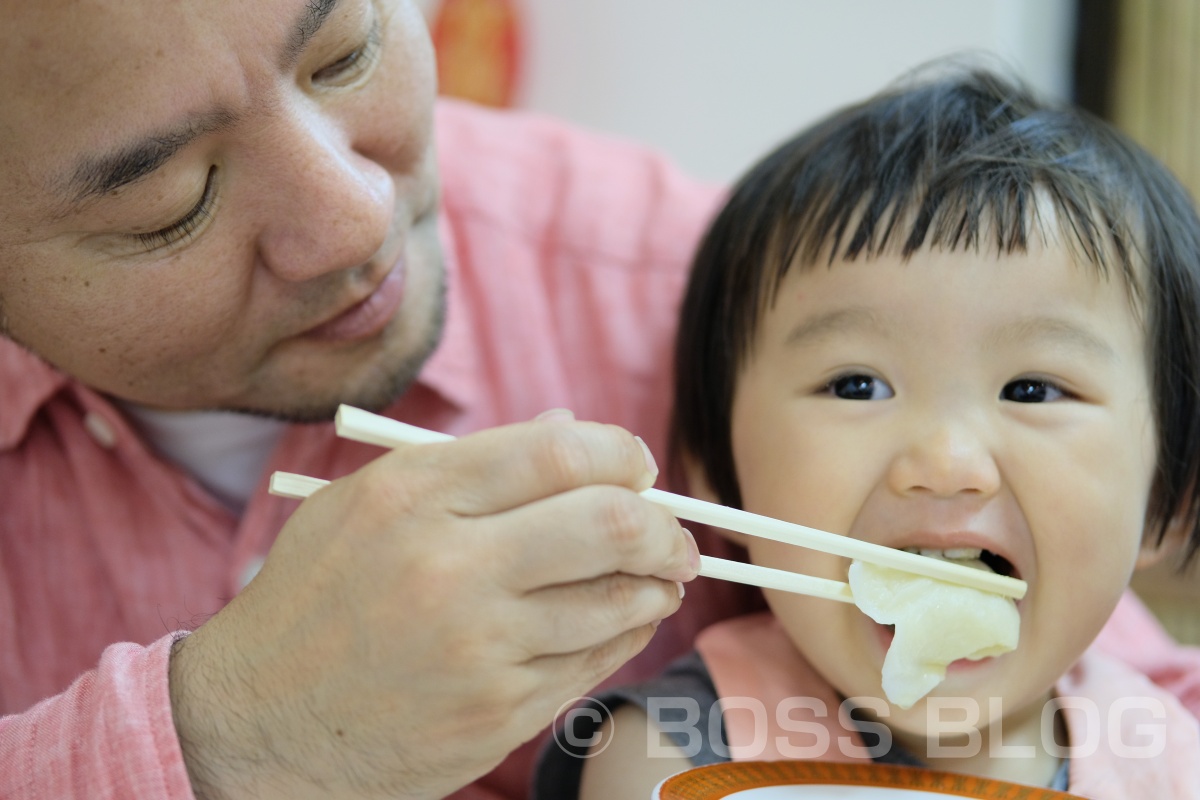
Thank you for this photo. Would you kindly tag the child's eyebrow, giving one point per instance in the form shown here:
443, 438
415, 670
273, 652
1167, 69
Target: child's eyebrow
1026, 330
832, 323
1052, 330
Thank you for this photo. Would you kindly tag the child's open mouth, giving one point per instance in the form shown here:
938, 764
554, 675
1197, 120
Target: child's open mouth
976, 557
998, 564
970, 557
927, 626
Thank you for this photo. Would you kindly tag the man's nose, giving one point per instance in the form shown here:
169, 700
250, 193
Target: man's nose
329, 207
946, 456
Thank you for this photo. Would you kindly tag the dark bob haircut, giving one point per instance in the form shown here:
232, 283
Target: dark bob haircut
961, 159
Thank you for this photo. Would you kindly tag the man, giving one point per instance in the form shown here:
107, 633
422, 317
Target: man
222, 206
214, 207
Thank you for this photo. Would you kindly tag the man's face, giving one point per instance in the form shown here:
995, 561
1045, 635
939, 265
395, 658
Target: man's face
221, 205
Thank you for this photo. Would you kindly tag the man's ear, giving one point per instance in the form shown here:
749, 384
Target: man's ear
699, 488
1154, 550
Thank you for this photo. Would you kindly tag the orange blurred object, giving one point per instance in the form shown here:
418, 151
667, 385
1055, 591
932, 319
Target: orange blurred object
478, 46
856, 780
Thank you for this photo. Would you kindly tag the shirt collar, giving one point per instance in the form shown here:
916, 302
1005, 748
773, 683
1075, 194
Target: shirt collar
26, 384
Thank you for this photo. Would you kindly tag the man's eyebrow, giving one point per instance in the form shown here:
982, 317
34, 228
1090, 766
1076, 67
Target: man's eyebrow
99, 175
834, 322
315, 14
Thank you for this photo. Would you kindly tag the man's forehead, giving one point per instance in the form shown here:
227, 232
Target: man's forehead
76, 43
81, 78
64, 73
62, 44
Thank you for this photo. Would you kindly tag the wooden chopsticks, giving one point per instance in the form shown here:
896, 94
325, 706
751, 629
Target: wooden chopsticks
289, 484
363, 426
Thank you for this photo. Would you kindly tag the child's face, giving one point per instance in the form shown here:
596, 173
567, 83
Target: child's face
957, 400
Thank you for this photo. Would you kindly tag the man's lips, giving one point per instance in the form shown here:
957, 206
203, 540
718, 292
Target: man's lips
368, 316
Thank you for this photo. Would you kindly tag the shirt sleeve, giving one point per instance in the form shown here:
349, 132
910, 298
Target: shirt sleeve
110, 735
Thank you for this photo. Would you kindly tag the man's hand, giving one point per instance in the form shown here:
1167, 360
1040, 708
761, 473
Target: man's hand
419, 619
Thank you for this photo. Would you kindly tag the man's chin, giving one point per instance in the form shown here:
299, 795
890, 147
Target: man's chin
380, 386
376, 391
310, 406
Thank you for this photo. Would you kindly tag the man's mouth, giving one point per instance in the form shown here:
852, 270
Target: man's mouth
368, 316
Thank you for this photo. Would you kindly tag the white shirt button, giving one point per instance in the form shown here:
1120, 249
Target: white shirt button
100, 429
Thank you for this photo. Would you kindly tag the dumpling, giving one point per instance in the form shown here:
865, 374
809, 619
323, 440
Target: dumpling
936, 623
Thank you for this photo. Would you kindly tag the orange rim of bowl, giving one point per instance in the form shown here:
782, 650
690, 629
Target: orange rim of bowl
716, 781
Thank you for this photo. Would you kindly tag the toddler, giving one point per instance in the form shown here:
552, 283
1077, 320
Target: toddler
954, 319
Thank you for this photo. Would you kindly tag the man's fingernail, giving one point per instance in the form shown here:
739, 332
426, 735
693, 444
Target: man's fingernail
651, 464
556, 414
693, 551
682, 591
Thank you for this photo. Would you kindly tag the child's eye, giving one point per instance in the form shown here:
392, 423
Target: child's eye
185, 227
1031, 390
859, 387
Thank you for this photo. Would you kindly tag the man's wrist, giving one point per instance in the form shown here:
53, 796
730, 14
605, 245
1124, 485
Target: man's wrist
208, 737
186, 710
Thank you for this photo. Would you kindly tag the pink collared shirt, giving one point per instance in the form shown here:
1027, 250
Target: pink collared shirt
567, 253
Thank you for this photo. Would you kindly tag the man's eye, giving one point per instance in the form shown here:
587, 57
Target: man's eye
352, 64
859, 387
1031, 390
191, 221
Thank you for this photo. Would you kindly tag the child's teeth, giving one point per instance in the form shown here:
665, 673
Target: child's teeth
966, 556
950, 553
963, 552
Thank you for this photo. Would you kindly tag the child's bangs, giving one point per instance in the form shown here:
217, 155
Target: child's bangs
1033, 181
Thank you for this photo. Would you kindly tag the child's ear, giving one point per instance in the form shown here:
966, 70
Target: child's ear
1154, 550
699, 488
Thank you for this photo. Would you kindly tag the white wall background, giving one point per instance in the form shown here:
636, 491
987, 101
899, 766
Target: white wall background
718, 82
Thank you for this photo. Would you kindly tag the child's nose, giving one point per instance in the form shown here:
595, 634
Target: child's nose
946, 458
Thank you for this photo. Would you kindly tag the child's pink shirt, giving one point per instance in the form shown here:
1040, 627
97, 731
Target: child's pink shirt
752, 657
